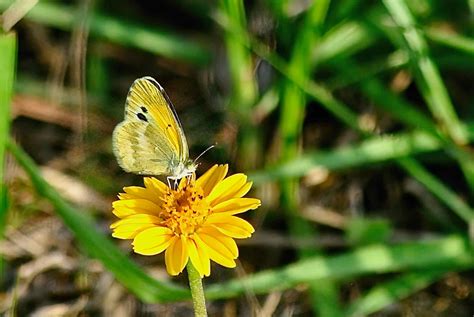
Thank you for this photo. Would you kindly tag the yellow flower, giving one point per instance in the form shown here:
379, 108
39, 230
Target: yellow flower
195, 221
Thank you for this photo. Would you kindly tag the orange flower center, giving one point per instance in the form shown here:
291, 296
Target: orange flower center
184, 209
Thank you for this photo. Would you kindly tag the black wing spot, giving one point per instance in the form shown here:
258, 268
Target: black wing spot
142, 117
145, 110
169, 126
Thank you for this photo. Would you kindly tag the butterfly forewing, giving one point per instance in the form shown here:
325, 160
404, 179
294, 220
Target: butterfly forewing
150, 138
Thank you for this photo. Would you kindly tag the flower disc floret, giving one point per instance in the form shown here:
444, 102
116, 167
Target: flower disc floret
184, 210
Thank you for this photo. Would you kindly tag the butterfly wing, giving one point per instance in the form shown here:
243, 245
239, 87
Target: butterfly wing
150, 140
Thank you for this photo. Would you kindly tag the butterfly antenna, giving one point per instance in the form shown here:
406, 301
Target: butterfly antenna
197, 158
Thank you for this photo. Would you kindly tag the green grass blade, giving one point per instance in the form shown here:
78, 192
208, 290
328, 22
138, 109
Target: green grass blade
98, 245
452, 40
343, 40
345, 78
8, 48
121, 31
429, 79
244, 86
8, 51
366, 153
393, 61
389, 101
244, 92
292, 110
444, 193
449, 253
393, 291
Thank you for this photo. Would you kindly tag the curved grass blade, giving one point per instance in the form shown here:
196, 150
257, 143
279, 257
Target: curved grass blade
448, 253
153, 40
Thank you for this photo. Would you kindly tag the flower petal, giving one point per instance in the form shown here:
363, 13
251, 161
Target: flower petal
199, 258
126, 196
234, 186
130, 226
176, 256
237, 205
227, 242
153, 240
128, 207
133, 192
213, 248
155, 185
231, 226
212, 177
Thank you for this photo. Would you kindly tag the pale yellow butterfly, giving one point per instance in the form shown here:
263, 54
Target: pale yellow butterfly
150, 139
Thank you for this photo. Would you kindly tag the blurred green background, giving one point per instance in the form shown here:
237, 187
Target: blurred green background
353, 118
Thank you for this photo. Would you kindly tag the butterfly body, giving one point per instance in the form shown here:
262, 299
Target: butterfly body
150, 139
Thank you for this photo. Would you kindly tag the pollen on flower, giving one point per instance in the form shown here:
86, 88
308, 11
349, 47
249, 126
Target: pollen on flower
184, 209
197, 221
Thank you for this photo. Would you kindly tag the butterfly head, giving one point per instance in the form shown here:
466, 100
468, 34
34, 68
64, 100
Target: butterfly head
181, 169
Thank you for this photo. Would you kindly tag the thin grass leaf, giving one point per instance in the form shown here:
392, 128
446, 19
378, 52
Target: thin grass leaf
452, 40
244, 92
98, 245
244, 86
267, 103
292, 110
8, 51
429, 79
121, 31
349, 37
369, 152
393, 291
349, 77
444, 193
389, 101
8, 47
395, 60
452, 253
430, 83
343, 40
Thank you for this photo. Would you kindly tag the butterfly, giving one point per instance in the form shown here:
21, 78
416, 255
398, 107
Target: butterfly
150, 139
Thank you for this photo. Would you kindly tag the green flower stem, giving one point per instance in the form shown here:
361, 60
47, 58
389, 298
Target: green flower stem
197, 292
